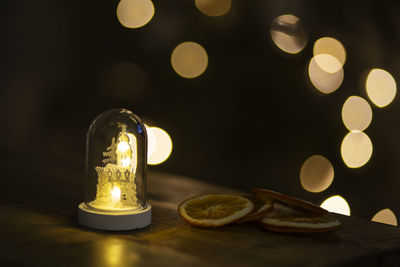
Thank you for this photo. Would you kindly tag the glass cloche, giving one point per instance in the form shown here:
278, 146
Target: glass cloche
116, 166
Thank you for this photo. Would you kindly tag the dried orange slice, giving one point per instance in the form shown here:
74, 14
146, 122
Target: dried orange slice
288, 220
295, 224
290, 201
262, 206
214, 210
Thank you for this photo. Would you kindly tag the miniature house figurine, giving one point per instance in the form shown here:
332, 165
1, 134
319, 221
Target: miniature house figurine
116, 166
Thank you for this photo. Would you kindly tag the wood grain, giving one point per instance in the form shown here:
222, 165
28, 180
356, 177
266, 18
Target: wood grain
39, 228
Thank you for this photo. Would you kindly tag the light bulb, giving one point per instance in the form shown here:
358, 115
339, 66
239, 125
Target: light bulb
123, 146
116, 194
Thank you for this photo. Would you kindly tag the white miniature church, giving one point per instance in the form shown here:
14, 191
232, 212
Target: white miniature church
116, 186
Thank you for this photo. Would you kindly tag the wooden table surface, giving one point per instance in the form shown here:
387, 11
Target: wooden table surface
39, 228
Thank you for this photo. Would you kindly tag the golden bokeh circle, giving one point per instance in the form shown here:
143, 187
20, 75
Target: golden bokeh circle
385, 216
333, 47
316, 174
213, 8
162, 146
328, 63
356, 149
189, 60
151, 141
135, 13
356, 113
288, 33
336, 204
324, 81
381, 87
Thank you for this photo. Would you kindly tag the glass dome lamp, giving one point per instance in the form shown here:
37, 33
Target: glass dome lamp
116, 166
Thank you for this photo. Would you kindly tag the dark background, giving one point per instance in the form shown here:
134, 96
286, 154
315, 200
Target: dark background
250, 120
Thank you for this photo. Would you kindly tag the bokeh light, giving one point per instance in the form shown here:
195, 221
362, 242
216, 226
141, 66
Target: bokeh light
289, 34
161, 145
151, 141
189, 59
316, 174
385, 216
324, 81
213, 8
356, 113
356, 149
327, 63
336, 204
334, 48
381, 87
135, 13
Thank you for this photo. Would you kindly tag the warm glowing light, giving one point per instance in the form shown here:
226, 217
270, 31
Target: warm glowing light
124, 150
116, 194
113, 254
356, 149
356, 113
324, 81
288, 33
135, 13
334, 48
119, 171
336, 204
151, 141
328, 63
316, 174
125, 162
385, 216
381, 87
163, 146
189, 60
115, 182
213, 8
123, 146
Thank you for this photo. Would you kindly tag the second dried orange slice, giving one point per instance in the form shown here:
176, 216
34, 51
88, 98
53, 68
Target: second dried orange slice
214, 210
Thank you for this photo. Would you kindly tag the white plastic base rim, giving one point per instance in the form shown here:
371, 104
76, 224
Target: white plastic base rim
111, 222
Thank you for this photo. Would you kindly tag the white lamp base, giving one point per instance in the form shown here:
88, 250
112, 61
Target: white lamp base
115, 222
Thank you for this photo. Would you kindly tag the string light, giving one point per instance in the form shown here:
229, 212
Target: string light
135, 13
316, 174
381, 87
189, 60
336, 204
213, 8
288, 33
